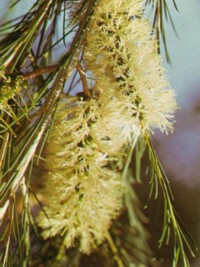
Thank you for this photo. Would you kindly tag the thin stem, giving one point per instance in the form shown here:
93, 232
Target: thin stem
114, 250
37, 72
84, 80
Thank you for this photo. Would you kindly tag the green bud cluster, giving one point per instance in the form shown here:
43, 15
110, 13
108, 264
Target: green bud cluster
9, 87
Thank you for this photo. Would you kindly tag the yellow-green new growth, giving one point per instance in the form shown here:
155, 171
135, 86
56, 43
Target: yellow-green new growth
81, 194
9, 87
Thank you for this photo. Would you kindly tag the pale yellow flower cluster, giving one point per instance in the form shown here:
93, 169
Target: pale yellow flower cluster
89, 140
81, 194
122, 57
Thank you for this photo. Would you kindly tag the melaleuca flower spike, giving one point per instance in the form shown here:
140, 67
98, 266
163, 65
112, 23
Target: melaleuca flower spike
89, 137
87, 195
121, 55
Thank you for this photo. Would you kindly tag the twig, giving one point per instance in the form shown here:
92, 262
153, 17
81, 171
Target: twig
83, 79
35, 73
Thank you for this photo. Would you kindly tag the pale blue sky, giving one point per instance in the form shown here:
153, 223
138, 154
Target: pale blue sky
184, 73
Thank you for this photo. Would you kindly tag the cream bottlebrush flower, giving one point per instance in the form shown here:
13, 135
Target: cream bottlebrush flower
81, 194
115, 128
122, 56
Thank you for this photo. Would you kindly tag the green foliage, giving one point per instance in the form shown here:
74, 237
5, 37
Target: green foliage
172, 225
160, 14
